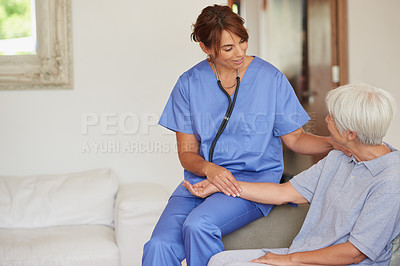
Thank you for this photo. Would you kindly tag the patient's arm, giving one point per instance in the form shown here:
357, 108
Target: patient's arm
340, 254
268, 193
271, 193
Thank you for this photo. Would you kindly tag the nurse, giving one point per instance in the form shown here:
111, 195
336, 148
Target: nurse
246, 147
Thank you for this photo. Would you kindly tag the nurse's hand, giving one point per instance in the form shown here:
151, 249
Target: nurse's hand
223, 180
202, 189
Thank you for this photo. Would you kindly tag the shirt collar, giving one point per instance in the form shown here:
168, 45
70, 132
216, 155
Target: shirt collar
377, 165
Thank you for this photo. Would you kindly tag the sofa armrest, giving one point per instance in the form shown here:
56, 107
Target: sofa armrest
138, 207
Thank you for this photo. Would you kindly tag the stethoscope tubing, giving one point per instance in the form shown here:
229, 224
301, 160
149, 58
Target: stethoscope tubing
227, 114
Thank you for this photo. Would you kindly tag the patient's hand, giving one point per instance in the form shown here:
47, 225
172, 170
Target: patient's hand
202, 189
274, 259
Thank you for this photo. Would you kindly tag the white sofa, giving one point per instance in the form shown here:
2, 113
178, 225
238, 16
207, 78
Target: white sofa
78, 219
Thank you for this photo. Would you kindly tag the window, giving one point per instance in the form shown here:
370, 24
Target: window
17, 27
48, 63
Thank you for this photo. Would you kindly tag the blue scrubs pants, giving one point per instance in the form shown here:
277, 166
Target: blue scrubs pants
192, 228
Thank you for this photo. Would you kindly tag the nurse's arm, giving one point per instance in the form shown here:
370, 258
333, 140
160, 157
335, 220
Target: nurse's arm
309, 144
188, 152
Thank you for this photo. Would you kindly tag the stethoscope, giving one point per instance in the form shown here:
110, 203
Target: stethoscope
228, 111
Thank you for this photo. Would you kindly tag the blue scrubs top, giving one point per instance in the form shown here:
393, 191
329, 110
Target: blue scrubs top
250, 147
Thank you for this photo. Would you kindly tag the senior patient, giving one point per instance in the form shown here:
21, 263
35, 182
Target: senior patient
355, 201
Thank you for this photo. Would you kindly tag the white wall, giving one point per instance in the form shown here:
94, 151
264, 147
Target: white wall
127, 57
374, 44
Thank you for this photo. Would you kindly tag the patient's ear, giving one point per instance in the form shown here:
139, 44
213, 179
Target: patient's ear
351, 135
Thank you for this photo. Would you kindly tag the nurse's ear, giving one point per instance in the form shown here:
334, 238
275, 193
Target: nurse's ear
205, 49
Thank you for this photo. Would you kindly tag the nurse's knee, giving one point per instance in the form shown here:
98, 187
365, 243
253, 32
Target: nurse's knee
198, 225
156, 244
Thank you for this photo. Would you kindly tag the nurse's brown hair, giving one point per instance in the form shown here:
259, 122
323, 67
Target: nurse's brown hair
212, 21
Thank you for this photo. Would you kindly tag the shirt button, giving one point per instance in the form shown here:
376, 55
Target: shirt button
352, 177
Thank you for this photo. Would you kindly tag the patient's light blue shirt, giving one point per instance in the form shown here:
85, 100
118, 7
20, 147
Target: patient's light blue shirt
350, 201
250, 147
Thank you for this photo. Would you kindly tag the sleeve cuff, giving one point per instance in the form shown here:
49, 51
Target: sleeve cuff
175, 129
305, 193
299, 124
366, 251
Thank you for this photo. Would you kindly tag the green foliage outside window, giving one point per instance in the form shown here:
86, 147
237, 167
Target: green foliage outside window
15, 19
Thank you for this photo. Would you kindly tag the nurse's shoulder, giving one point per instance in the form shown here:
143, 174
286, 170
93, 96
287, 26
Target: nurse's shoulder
190, 79
200, 70
265, 67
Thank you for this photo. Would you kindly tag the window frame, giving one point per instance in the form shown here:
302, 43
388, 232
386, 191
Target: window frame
51, 67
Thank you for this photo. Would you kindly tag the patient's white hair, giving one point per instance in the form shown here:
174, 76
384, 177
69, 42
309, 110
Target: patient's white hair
363, 109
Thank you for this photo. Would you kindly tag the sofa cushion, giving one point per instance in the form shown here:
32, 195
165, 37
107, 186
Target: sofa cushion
85, 245
53, 200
